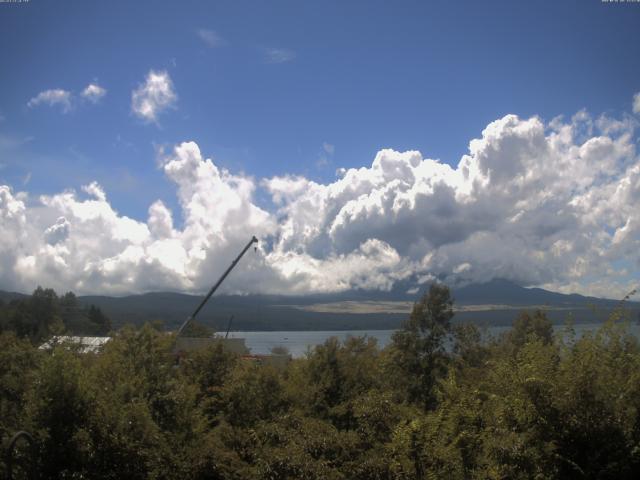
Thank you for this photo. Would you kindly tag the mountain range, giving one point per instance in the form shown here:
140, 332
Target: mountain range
493, 303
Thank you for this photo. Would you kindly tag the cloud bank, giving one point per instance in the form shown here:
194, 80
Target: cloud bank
552, 204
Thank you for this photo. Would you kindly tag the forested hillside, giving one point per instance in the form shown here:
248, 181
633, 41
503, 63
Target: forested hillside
526, 405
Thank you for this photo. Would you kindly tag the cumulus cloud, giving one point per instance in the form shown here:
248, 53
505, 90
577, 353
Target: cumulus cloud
58, 232
532, 202
636, 103
67, 100
210, 38
552, 204
93, 92
153, 96
95, 190
79, 241
278, 55
53, 98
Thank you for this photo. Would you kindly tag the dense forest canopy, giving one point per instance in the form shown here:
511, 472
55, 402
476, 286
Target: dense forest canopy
528, 404
45, 313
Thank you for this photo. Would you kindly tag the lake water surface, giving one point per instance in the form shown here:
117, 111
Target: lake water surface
299, 342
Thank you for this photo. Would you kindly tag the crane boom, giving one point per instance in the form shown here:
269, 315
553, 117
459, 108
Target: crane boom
215, 287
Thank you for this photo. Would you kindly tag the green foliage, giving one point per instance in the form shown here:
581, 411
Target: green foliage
57, 407
34, 318
439, 402
18, 362
99, 319
527, 328
280, 350
252, 394
336, 374
208, 369
197, 329
418, 356
44, 314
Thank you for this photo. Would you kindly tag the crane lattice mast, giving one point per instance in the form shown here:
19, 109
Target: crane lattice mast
215, 287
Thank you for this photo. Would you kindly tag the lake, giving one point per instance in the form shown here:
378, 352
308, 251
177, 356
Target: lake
298, 342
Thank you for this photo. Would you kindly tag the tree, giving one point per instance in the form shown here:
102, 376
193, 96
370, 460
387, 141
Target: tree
18, 361
197, 329
57, 407
208, 369
279, 350
334, 375
102, 324
69, 300
529, 327
35, 317
253, 393
45, 310
418, 355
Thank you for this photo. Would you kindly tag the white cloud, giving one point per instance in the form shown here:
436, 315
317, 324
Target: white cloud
210, 38
93, 92
66, 99
551, 204
328, 148
58, 232
278, 55
95, 190
463, 267
54, 97
531, 202
324, 158
84, 244
636, 103
153, 96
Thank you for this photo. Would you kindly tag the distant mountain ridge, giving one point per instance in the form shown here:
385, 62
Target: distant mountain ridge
506, 292
275, 312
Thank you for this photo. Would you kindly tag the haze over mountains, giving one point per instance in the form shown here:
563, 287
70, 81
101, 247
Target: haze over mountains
493, 303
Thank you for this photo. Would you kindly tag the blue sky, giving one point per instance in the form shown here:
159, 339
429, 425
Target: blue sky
292, 88
364, 76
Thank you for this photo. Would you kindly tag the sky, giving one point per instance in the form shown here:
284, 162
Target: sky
368, 144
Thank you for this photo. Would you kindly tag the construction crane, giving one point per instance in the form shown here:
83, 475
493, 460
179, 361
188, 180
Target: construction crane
215, 287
